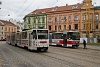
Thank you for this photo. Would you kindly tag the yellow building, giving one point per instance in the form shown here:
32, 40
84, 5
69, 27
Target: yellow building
94, 20
8, 27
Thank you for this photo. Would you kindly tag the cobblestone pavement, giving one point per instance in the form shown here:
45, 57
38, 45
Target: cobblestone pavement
11, 56
91, 47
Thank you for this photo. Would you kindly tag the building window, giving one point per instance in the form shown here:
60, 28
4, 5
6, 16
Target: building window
59, 19
2, 28
91, 16
2, 32
64, 27
55, 27
29, 20
49, 27
34, 20
96, 17
76, 26
25, 26
90, 26
75, 17
49, 20
74, 7
38, 20
84, 17
12, 29
9, 28
69, 27
15, 29
84, 27
55, 19
64, 18
60, 27
96, 25
25, 20
43, 19
69, 18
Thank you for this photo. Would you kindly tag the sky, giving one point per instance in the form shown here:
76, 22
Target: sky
17, 9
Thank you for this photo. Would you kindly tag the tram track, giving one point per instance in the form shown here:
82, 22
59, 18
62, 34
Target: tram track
78, 51
69, 57
56, 57
17, 56
92, 49
81, 56
50, 54
51, 57
67, 62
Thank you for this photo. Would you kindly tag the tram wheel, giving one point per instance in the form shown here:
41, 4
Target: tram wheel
74, 46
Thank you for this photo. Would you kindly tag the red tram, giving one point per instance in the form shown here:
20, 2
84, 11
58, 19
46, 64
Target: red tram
65, 39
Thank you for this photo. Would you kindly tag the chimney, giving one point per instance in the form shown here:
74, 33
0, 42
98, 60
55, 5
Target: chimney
9, 20
56, 6
66, 4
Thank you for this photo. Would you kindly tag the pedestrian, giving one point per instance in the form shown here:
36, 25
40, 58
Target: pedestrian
84, 43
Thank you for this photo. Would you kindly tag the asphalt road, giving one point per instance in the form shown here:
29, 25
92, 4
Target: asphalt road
11, 56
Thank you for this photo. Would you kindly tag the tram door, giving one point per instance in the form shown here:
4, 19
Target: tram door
50, 39
29, 39
65, 40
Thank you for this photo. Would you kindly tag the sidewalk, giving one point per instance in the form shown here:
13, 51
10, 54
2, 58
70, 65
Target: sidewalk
91, 47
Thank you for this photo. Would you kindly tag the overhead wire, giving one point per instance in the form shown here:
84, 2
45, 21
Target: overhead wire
25, 9
30, 5
55, 2
20, 7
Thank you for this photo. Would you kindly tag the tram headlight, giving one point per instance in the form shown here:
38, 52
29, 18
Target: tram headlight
39, 44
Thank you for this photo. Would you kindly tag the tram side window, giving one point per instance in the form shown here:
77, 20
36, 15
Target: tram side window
24, 35
69, 36
57, 36
18, 36
13, 37
54, 37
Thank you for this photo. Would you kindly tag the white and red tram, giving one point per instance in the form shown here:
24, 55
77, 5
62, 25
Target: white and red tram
35, 39
65, 39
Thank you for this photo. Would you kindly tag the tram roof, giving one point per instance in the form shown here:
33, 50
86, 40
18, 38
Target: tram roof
55, 32
39, 29
33, 29
70, 31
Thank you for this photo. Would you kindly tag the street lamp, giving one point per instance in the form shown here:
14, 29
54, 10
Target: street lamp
8, 15
0, 4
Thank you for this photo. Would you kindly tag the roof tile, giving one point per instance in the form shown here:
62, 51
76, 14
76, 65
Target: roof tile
7, 23
57, 8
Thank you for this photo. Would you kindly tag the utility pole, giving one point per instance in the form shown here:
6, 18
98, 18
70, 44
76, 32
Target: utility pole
88, 2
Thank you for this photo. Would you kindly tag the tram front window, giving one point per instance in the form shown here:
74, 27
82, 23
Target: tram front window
73, 35
76, 36
42, 36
